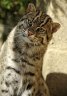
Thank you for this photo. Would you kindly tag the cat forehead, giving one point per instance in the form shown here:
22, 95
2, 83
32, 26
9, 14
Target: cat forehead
42, 19
37, 18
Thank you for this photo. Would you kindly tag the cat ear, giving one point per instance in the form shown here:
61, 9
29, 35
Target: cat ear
31, 8
55, 27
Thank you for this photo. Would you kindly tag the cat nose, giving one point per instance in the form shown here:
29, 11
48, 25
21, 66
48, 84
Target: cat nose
30, 33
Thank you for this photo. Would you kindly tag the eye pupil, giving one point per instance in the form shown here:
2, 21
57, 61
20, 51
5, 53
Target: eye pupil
30, 22
40, 30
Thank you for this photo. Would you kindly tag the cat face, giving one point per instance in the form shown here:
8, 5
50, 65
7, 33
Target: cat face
37, 27
42, 33
42, 27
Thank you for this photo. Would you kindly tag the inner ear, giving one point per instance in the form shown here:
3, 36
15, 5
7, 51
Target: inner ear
55, 27
31, 8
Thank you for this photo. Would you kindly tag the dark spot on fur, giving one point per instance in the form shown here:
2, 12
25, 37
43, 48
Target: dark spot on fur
1, 82
17, 49
34, 90
29, 74
10, 68
38, 58
15, 60
23, 66
27, 62
7, 84
16, 90
4, 91
24, 82
16, 81
45, 91
29, 95
9, 74
29, 86
32, 94
38, 93
14, 49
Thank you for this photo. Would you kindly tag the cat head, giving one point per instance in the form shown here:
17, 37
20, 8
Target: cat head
43, 34
38, 26
42, 27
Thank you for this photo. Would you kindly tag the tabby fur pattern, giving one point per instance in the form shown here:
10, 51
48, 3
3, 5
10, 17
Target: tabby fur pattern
21, 56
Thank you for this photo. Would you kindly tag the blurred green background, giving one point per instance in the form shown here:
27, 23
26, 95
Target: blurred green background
11, 11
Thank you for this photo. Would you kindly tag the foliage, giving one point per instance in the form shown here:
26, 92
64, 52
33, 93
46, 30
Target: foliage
14, 6
10, 4
13, 11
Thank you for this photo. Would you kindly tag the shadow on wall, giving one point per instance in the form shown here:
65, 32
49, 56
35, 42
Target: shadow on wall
57, 84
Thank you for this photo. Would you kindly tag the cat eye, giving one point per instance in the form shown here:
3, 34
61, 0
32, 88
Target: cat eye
30, 22
41, 30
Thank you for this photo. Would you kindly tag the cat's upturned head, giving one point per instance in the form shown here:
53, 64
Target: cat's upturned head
42, 28
38, 26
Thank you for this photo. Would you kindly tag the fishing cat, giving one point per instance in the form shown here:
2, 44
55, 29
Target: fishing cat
21, 56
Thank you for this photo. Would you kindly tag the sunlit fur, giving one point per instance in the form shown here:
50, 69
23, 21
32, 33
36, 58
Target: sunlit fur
22, 56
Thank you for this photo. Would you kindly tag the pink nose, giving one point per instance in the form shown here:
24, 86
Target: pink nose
30, 33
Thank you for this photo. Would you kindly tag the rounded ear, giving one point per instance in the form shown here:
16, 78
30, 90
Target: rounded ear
55, 27
31, 8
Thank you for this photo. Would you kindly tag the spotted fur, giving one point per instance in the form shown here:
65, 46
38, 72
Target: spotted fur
22, 56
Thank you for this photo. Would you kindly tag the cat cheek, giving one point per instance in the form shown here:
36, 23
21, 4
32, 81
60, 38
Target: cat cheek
45, 40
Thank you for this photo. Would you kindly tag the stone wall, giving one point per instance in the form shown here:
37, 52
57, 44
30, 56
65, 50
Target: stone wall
55, 59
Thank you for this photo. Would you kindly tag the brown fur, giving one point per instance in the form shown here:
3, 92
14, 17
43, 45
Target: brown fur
30, 42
